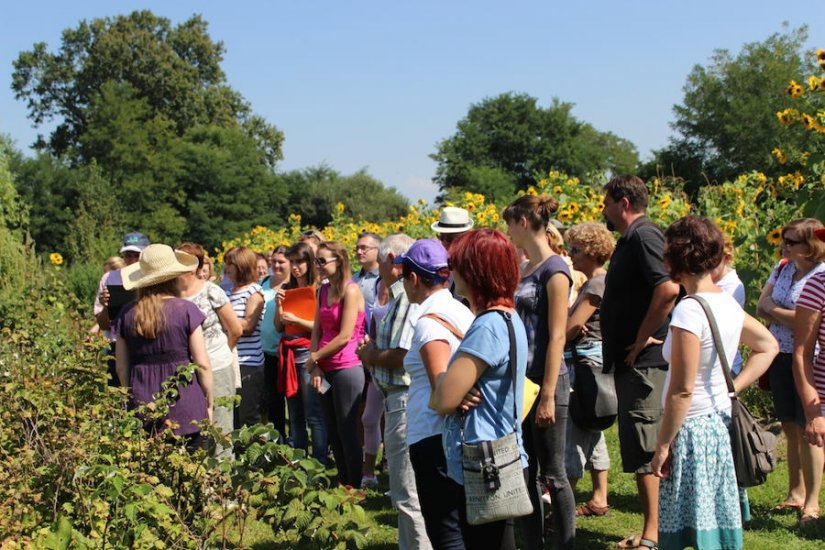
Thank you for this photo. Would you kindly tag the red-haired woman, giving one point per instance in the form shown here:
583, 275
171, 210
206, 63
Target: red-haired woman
485, 270
338, 328
542, 298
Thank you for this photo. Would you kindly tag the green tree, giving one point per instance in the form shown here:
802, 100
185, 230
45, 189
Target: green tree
176, 70
314, 193
227, 185
511, 134
726, 124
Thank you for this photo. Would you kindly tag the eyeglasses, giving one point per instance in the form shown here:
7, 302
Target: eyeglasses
574, 250
790, 242
324, 261
365, 248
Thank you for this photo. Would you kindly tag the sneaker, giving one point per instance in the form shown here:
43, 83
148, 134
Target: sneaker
369, 482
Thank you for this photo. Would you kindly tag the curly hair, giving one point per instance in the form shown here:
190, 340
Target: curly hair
593, 238
693, 245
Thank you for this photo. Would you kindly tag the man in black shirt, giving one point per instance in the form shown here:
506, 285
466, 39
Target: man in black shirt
635, 313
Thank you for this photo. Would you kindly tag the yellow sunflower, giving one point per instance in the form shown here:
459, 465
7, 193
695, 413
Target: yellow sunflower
55, 258
780, 155
775, 236
794, 89
810, 122
820, 54
813, 82
573, 207
664, 202
564, 216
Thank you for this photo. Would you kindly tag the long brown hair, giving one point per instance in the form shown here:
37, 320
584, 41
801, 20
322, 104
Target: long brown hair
338, 280
149, 320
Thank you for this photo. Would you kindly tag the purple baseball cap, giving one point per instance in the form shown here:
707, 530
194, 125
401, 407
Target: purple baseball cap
425, 256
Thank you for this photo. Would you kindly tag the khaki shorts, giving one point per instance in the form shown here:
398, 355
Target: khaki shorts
639, 393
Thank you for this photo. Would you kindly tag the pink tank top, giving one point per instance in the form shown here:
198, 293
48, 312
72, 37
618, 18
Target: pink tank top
330, 319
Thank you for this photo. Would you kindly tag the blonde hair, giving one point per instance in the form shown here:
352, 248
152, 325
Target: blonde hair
595, 239
555, 240
149, 320
113, 263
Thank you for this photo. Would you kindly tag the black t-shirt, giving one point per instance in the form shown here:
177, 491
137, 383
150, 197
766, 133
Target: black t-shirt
636, 268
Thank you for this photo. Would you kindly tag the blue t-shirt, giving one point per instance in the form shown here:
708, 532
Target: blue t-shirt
488, 339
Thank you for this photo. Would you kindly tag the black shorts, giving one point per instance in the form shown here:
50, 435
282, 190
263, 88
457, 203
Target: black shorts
786, 402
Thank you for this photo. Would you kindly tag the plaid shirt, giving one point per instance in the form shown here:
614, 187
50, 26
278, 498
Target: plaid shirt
393, 332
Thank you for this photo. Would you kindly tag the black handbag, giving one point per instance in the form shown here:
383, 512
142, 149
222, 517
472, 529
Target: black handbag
753, 447
593, 401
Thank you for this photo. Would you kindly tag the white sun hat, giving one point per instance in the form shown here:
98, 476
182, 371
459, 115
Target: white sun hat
158, 263
453, 220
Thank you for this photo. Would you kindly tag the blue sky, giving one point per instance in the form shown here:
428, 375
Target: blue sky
376, 85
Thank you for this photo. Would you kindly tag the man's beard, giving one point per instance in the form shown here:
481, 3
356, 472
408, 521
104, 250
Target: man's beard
610, 225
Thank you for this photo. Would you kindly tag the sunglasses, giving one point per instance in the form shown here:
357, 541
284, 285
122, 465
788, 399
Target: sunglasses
574, 250
323, 261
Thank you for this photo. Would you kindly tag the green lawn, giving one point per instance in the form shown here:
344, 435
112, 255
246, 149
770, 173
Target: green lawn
765, 532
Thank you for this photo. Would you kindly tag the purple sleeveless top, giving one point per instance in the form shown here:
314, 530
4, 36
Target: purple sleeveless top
330, 318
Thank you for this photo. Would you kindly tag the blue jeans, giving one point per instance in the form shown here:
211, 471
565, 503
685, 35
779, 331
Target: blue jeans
545, 450
305, 410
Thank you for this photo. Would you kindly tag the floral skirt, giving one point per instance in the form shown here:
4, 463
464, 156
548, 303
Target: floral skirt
699, 502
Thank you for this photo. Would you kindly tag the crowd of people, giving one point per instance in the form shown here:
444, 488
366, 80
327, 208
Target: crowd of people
432, 338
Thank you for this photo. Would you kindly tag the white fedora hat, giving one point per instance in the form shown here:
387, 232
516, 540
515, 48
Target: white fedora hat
453, 220
158, 263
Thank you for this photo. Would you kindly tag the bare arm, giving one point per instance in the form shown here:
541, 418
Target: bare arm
664, 296
230, 323
122, 361
805, 336
764, 303
763, 349
353, 303
252, 314
452, 385
683, 368
557, 290
435, 355
578, 318
197, 350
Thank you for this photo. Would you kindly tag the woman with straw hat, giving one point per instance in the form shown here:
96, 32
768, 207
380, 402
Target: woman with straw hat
157, 334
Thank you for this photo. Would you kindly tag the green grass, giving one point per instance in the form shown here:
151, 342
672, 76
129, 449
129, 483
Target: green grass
765, 532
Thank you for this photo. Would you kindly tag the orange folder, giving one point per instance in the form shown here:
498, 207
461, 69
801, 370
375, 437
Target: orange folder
301, 303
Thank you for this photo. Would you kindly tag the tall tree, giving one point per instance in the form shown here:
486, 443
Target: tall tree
727, 122
176, 70
314, 193
511, 134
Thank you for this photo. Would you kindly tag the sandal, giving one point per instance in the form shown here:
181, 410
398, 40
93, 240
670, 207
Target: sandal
786, 506
590, 509
632, 542
808, 517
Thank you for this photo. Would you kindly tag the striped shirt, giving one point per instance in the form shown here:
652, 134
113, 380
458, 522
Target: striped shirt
813, 297
250, 352
395, 331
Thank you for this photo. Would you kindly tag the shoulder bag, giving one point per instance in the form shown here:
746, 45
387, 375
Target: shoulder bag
494, 484
753, 447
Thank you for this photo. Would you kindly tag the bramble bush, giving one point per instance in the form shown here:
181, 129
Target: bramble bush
77, 470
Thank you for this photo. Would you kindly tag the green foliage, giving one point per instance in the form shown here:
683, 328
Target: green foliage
513, 134
726, 124
315, 192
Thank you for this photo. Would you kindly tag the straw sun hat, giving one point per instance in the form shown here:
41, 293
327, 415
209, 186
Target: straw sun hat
158, 263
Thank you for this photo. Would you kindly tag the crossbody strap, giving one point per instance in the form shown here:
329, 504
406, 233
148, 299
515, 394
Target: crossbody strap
717, 341
511, 332
444, 323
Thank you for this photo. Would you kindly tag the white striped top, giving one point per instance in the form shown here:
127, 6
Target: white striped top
813, 297
250, 350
